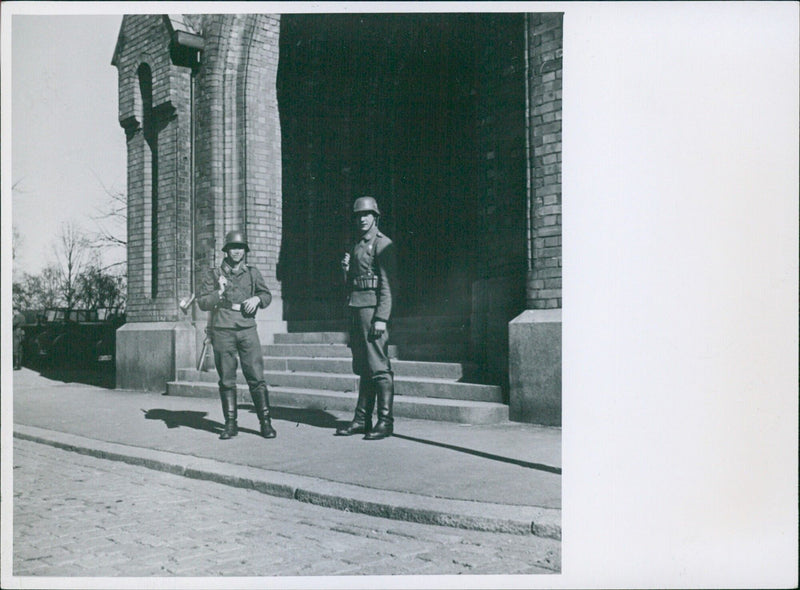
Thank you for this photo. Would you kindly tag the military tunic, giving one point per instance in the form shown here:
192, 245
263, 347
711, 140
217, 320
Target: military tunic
233, 332
370, 280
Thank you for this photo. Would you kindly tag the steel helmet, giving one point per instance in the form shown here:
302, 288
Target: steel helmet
235, 238
363, 204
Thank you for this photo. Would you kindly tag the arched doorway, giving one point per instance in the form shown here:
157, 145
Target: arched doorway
384, 105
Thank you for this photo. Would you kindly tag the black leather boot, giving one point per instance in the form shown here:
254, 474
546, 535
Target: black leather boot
362, 420
261, 403
384, 383
229, 411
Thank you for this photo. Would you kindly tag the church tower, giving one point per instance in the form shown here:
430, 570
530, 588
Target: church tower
274, 124
198, 105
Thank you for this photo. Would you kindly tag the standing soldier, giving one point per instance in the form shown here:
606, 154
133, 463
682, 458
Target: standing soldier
370, 272
19, 336
233, 293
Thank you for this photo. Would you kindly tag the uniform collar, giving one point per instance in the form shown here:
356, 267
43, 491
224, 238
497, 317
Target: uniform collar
370, 234
228, 269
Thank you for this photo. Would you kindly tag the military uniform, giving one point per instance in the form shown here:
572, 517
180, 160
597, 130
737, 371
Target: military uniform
370, 279
234, 335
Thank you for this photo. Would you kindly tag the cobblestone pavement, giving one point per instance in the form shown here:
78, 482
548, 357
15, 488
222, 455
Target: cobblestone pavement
76, 515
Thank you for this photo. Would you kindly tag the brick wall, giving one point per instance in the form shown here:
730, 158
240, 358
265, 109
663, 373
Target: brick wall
545, 54
237, 144
236, 151
144, 39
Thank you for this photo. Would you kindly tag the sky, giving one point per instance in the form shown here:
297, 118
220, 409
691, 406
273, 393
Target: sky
67, 144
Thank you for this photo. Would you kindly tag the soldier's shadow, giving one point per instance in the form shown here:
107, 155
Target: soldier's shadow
198, 420
311, 417
187, 418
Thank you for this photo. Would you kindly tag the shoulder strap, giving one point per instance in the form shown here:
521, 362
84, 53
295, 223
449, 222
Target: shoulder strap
372, 248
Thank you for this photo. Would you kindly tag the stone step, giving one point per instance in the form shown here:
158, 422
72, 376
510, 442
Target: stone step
425, 323
403, 386
446, 410
312, 338
431, 352
454, 371
441, 336
314, 350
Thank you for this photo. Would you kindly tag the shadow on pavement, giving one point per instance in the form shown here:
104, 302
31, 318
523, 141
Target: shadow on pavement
493, 457
99, 377
198, 420
318, 418
188, 418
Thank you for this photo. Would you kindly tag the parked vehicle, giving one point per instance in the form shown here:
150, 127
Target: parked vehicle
76, 337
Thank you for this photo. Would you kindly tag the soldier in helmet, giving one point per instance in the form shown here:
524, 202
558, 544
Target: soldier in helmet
369, 271
233, 292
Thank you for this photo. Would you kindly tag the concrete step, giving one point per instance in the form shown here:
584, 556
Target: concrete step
312, 338
448, 410
397, 335
403, 386
432, 351
400, 323
314, 350
454, 371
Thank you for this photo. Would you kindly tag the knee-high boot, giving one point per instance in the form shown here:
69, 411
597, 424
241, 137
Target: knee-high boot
229, 412
261, 403
362, 420
384, 383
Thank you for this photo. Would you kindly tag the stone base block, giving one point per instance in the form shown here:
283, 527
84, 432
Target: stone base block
149, 353
534, 342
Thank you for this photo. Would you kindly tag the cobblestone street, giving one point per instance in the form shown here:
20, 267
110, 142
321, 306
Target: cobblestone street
76, 515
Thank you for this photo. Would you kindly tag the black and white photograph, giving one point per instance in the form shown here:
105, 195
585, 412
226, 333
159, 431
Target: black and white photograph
399, 295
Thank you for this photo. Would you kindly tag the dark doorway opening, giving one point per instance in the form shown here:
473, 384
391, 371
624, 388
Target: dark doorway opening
381, 105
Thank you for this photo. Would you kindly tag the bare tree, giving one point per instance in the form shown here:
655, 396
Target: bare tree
73, 255
112, 221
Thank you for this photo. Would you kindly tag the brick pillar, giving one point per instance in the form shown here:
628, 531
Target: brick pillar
545, 48
534, 337
154, 110
238, 149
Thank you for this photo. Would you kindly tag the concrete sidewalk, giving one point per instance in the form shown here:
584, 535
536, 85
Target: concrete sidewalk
501, 477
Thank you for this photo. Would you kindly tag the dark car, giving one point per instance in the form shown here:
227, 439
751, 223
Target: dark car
76, 337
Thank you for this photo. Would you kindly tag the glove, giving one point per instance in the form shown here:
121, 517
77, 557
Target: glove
377, 329
249, 306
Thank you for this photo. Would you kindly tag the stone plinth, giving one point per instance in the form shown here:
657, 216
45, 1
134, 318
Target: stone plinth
149, 353
534, 342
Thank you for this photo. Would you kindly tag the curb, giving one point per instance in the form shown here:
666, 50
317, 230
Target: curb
481, 516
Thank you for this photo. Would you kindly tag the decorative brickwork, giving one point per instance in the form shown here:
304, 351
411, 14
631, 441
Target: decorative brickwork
238, 151
158, 231
545, 48
230, 98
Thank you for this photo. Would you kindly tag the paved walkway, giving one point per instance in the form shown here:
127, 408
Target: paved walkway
504, 477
